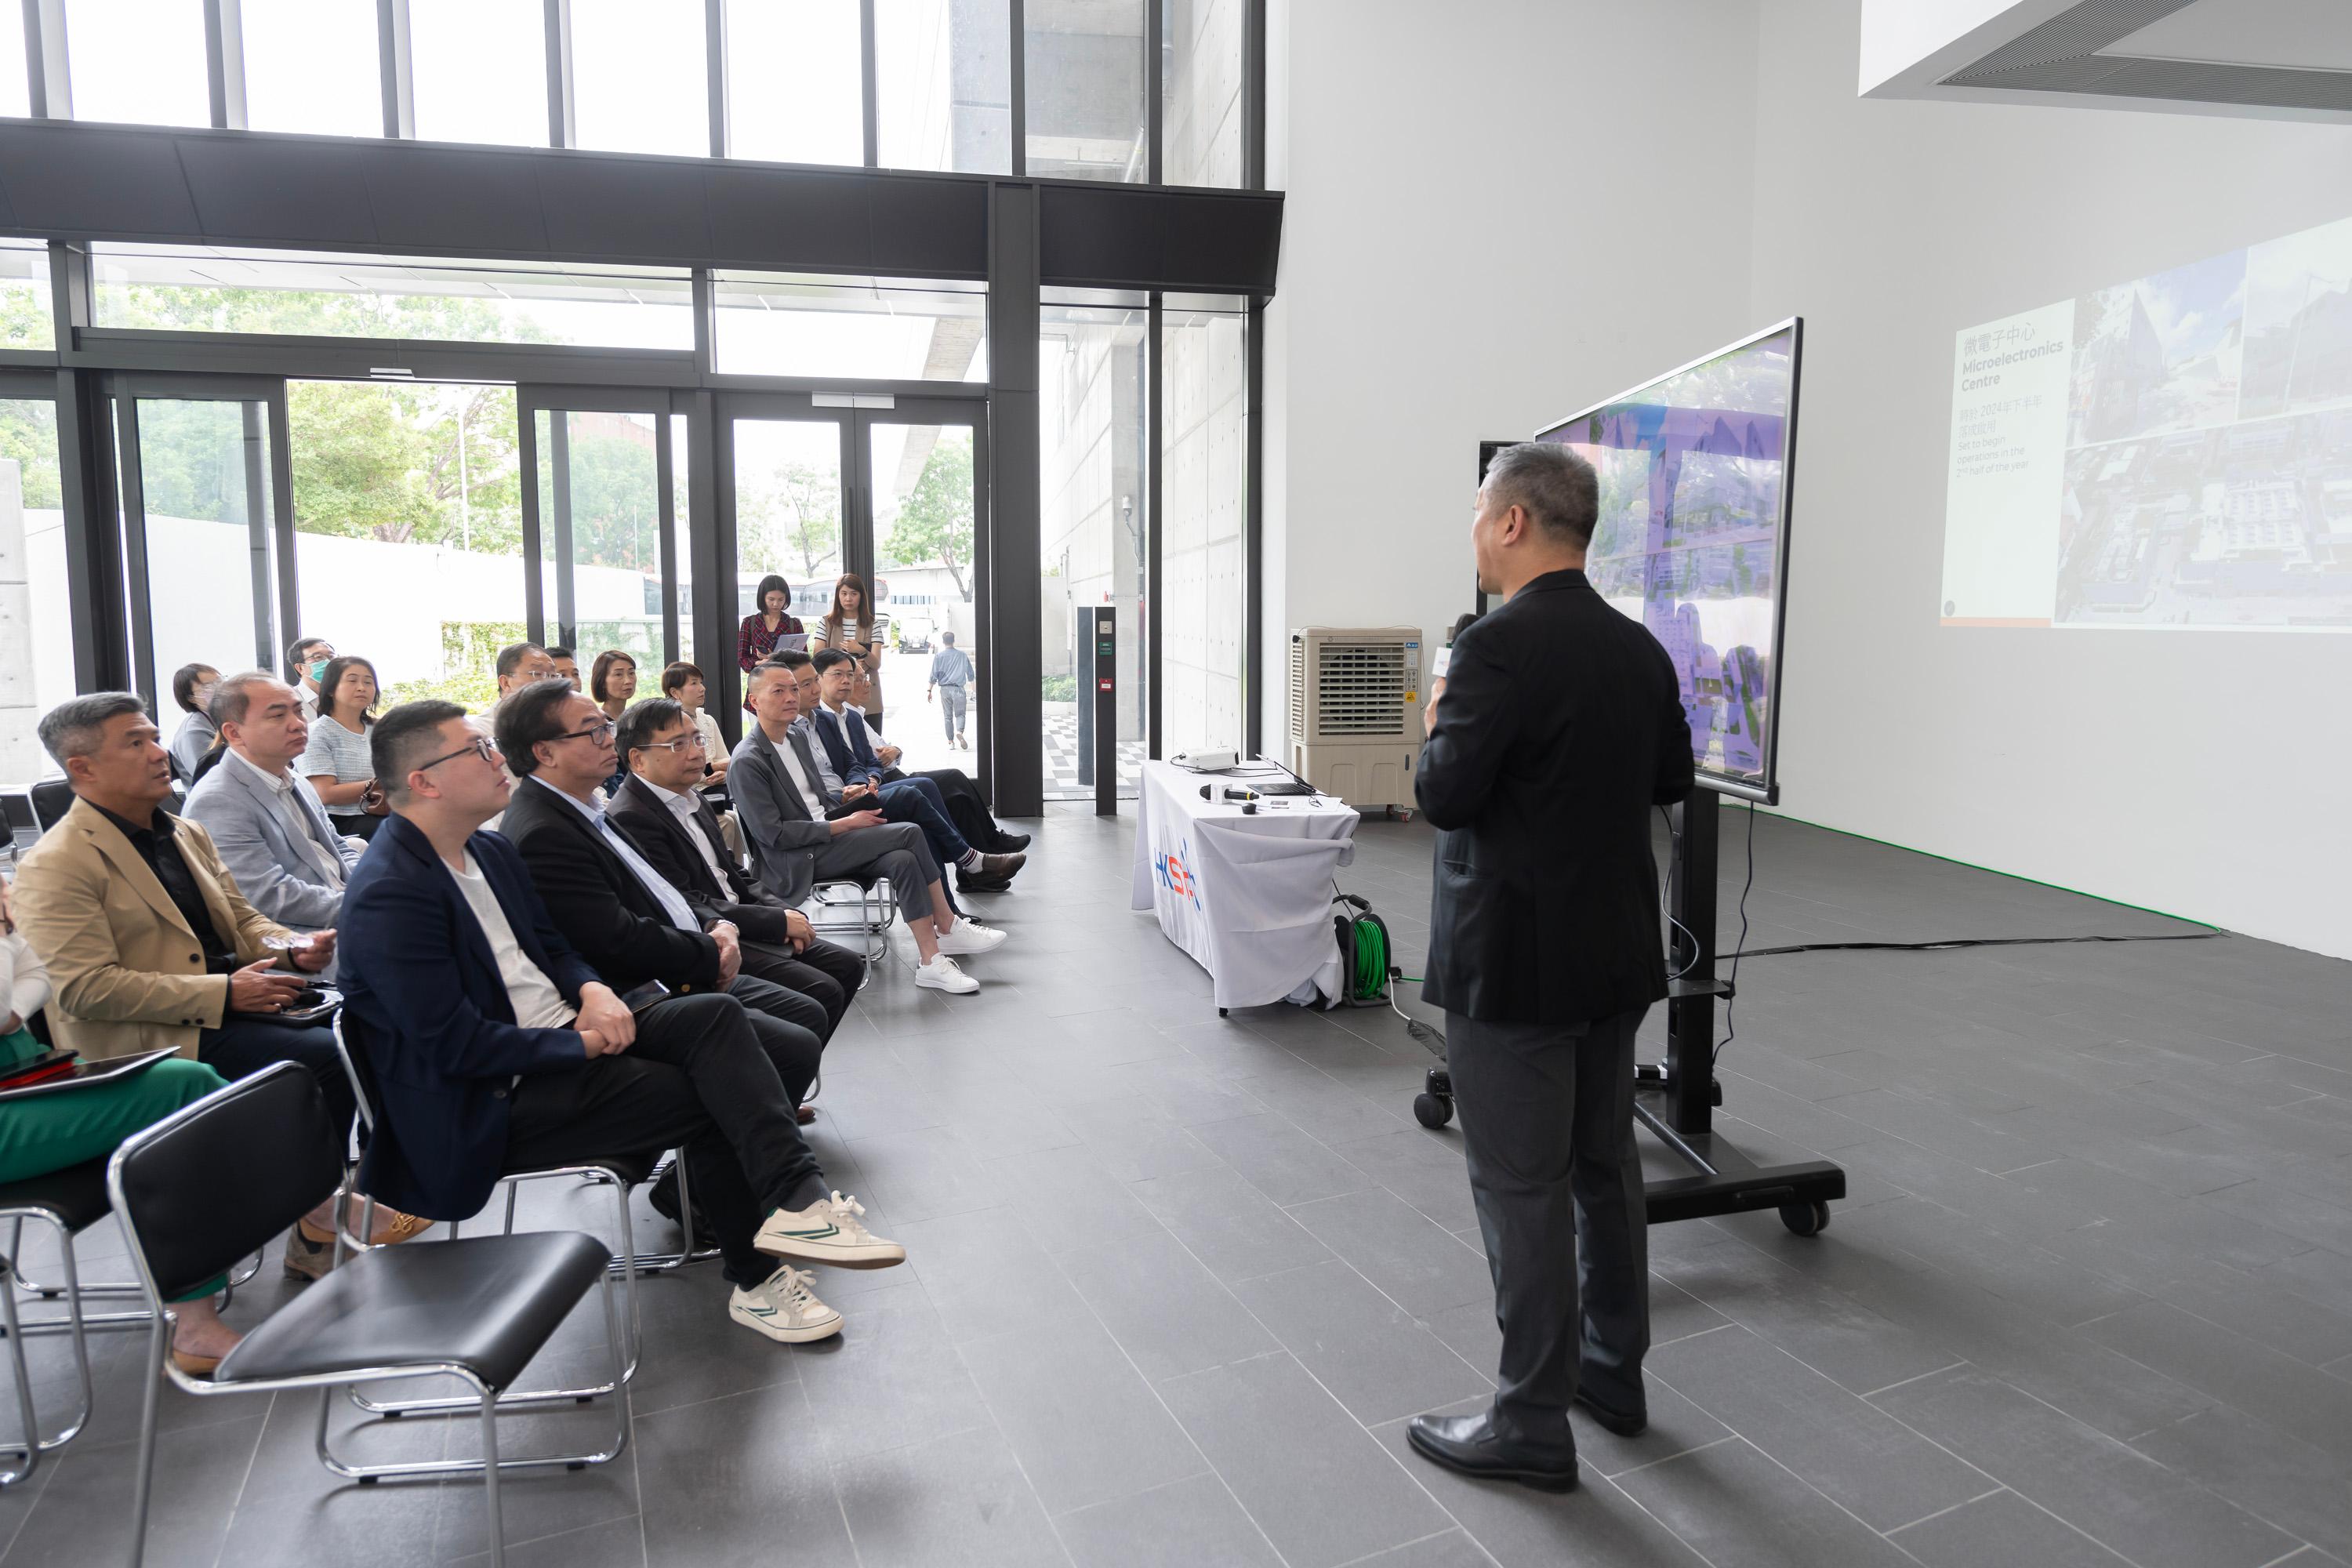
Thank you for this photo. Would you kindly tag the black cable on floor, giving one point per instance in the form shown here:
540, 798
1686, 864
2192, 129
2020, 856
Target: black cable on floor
1951, 942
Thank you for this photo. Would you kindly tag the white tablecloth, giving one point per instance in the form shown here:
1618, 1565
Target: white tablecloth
1249, 897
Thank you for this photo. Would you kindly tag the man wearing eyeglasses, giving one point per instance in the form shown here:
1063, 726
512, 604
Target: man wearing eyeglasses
615, 908
658, 810
497, 1048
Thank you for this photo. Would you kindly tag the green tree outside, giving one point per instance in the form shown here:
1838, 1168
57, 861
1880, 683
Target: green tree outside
934, 525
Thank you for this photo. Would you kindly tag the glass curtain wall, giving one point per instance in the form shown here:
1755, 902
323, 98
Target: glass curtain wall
1203, 457
137, 62
788, 512
480, 69
310, 67
37, 667
25, 321
408, 530
1093, 376
600, 507
640, 76
1084, 69
204, 524
1203, 100
943, 85
794, 82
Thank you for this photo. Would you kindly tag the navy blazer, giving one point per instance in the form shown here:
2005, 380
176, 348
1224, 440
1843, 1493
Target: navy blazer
425, 1004
851, 758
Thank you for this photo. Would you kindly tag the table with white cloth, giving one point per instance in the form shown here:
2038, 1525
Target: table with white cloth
1248, 896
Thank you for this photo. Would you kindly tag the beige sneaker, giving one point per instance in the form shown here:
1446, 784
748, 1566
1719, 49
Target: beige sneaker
783, 1308
828, 1231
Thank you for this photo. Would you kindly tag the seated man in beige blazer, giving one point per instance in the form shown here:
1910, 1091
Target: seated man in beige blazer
149, 943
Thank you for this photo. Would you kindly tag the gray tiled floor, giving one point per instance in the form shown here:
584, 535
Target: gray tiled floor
1177, 1282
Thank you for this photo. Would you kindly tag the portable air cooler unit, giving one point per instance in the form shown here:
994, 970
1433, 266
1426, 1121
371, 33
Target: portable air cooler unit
1356, 696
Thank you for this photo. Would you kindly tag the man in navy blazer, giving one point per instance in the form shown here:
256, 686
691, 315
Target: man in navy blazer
495, 1047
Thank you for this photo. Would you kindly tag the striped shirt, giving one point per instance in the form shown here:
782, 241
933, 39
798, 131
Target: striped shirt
335, 750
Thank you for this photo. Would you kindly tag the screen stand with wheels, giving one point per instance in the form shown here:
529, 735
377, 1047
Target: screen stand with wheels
1675, 1098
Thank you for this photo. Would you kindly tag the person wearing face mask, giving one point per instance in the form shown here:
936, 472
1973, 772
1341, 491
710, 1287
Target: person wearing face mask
191, 688
306, 661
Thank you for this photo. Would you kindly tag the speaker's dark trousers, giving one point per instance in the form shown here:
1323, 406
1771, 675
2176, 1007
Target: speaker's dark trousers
695, 1076
824, 973
1548, 1119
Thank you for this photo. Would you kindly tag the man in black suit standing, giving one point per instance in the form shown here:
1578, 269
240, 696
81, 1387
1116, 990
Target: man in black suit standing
1558, 726
659, 809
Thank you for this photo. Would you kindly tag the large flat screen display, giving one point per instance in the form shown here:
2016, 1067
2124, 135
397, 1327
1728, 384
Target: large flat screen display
2171, 452
1696, 471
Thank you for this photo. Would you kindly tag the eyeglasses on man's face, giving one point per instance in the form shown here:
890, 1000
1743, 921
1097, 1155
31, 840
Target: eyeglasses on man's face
599, 732
480, 746
684, 745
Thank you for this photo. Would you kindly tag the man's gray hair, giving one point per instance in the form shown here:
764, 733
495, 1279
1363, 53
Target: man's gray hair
74, 729
233, 698
1557, 489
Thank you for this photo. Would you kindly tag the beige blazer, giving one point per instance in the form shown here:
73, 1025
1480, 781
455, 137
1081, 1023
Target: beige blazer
129, 974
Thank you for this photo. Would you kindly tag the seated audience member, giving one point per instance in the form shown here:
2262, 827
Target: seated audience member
519, 665
306, 660
766, 628
264, 819
336, 761
848, 780
191, 688
613, 683
966, 806
151, 945
781, 806
678, 833
567, 665
637, 932
51, 1132
497, 1048
682, 683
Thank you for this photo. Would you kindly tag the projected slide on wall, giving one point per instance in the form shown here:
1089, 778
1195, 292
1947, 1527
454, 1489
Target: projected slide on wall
2175, 451
1694, 482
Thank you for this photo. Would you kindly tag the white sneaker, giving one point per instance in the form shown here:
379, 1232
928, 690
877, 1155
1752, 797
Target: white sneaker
969, 936
942, 974
828, 1231
783, 1308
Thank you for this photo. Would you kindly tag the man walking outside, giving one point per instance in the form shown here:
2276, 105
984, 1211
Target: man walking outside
950, 674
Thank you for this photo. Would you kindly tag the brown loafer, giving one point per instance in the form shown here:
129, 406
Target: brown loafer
804, 1114
392, 1227
195, 1366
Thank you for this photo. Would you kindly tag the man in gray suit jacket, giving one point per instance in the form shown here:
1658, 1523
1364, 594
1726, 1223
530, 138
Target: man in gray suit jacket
773, 780
266, 820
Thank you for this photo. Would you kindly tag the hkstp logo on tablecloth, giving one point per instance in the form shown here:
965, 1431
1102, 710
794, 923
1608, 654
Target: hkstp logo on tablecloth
1174, 872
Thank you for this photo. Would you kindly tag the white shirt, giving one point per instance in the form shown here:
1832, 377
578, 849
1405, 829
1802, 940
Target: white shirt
673, 903
815, 798
537, 1004
682, 807
328, 860
24, 983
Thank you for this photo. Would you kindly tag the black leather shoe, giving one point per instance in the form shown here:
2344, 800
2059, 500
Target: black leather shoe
1009, 843
972, 882
1625, 1423
1470, 1445
663, 1196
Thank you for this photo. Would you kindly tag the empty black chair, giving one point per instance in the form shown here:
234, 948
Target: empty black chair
218, 1180
52, 798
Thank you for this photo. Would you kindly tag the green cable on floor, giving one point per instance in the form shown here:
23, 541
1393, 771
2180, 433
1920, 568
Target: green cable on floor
1368, 980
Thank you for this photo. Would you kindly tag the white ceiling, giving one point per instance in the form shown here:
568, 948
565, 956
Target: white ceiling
2310, 34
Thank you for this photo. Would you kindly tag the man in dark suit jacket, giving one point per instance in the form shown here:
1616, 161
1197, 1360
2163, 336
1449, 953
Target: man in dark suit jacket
615, 911
658, 810
1558, 726
496, 1047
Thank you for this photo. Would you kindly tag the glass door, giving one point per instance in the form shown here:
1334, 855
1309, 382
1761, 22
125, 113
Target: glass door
924, 468
815, 485
207, 510
600, 518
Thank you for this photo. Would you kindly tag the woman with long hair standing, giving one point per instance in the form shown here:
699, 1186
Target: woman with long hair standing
850, 624
766, 628
337, 761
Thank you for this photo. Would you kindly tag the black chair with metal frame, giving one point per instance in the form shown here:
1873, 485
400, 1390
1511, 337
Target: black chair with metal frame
68, 1201
219, 1178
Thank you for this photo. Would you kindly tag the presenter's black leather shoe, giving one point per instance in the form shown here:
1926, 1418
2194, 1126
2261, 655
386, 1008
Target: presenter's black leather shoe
1470, 1445
1010, 843
1625, 1423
